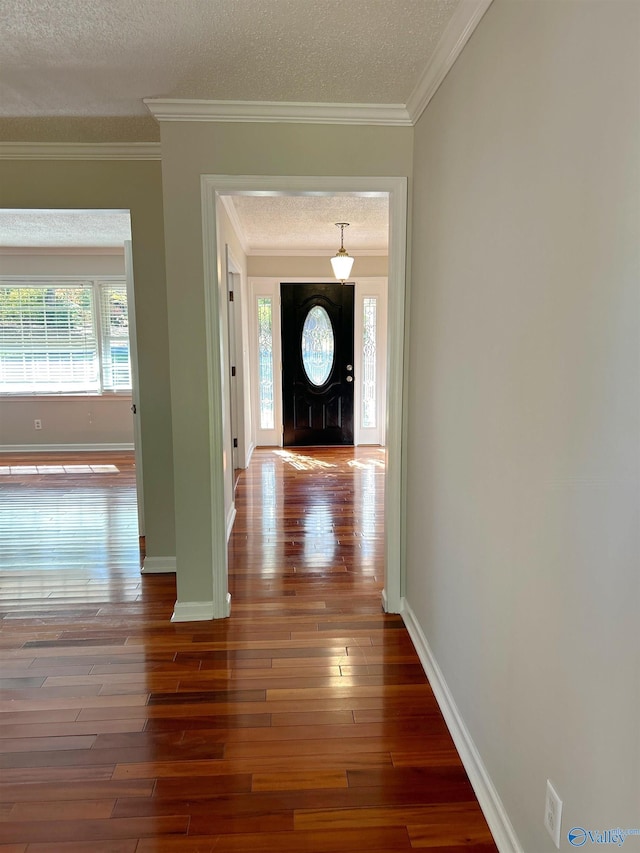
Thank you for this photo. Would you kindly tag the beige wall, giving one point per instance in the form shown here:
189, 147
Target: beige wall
134, 186
523, 482
190, 150
43, 262
313, 266
76, 422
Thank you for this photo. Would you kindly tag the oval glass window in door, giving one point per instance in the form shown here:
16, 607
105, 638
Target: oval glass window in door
318, 345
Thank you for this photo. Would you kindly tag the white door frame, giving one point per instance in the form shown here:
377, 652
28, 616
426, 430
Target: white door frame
234, 308
135, 383
215, 285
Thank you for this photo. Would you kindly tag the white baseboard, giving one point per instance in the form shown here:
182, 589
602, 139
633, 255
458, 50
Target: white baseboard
252, 447
197, 611
158, 565
61, 448
231, 517
490, 802
385, 603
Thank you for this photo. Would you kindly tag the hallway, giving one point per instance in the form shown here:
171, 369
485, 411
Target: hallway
302, 723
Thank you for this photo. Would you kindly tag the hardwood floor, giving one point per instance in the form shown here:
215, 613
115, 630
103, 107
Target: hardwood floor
304, 723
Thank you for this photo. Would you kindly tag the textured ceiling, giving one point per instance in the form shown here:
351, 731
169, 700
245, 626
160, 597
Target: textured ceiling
83, 58
293, 223
282, 224
78, 70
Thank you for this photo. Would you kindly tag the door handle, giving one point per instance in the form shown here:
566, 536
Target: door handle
133, 409
349, 378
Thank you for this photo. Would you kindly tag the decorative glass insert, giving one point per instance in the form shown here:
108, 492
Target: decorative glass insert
317, 345
369, 328
265, 362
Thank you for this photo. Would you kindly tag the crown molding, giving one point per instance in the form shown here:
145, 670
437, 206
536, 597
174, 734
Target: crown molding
179, 109
458, 31
61, 250
263, 252
80, 151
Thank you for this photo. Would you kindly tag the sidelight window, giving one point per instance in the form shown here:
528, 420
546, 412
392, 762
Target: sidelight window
369, 351
265, 362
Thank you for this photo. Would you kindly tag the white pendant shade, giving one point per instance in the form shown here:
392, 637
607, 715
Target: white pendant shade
342, 264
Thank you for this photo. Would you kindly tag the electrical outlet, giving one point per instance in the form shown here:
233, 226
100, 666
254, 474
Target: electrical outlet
37, 424
553, 813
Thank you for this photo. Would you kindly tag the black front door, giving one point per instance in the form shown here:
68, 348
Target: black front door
317, 363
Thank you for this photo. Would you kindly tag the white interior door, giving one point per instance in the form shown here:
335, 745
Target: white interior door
135, 397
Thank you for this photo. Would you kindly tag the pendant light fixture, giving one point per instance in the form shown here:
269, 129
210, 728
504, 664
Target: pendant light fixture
342, 261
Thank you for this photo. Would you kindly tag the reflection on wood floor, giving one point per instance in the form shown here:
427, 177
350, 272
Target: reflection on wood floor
302, 723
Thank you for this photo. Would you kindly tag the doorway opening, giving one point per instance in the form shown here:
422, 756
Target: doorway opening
68, 360
214, 189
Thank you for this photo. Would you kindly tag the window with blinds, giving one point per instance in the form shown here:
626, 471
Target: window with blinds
64, 337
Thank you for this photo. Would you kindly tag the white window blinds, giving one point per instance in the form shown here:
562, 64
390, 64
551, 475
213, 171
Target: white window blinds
116, 368
60, 336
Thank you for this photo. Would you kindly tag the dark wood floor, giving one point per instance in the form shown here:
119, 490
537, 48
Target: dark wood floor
302, 723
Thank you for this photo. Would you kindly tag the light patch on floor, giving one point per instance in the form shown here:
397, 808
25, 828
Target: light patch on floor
58, 469
302, 463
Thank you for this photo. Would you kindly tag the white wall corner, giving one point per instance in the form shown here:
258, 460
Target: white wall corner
232, 213
492, 807
198, 611
385, 601
250, 450
158, 565
465, 19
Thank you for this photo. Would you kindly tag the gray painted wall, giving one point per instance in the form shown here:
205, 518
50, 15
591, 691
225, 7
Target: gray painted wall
190, 150
524, 433
68, 422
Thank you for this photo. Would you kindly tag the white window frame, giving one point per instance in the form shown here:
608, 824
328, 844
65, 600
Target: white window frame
97, 283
